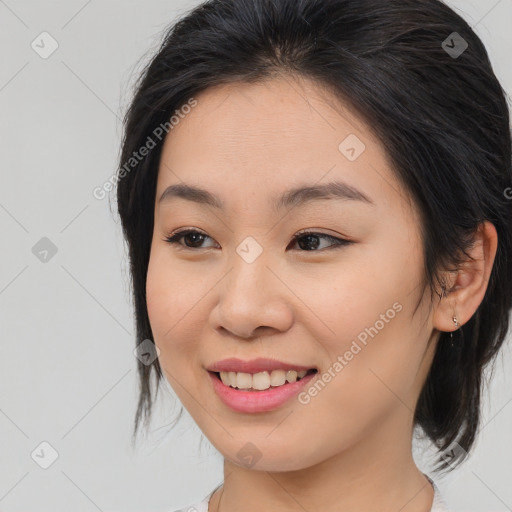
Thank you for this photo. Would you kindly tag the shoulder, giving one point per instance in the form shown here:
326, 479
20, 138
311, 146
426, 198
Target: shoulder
439, 504
200, 506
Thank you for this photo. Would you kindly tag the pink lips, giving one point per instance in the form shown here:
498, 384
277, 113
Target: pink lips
256, 401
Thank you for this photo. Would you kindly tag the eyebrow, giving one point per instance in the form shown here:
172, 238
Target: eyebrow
292, 198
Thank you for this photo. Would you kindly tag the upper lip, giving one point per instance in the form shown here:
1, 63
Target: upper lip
254, 365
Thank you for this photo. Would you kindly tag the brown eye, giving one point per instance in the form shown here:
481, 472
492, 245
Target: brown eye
193, 238
310, 241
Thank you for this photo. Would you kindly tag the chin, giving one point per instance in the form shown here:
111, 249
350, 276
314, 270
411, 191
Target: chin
278, 455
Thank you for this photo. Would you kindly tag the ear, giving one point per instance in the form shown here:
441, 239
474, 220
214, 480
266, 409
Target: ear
466, 288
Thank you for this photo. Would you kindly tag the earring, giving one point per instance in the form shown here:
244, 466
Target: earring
456, 322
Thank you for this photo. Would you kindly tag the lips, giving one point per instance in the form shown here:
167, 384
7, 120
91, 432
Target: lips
251, 401
255, 366
265, 398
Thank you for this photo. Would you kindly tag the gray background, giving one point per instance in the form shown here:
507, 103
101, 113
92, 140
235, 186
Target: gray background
67, 370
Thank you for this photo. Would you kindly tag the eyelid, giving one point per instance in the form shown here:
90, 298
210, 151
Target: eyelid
339, 241
180, 233
314, 231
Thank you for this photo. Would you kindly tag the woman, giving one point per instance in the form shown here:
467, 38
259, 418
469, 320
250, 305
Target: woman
315, 199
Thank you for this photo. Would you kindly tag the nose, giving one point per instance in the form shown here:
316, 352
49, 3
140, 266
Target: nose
252, 300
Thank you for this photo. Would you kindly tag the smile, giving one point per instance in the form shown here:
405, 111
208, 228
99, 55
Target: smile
257, 393
262, 380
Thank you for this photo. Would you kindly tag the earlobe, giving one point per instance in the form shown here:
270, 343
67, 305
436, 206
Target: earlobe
470, 281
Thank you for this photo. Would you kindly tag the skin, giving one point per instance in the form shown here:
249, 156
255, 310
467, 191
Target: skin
349, 448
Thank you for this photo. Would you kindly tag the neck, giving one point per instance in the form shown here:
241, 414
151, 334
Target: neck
376, 473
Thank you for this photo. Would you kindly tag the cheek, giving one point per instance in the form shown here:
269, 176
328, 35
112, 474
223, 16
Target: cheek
172, 304
365, 318
367, 383
344, 300
170, 290
160, 296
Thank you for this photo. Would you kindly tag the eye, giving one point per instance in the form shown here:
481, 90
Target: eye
195, 237
306, 240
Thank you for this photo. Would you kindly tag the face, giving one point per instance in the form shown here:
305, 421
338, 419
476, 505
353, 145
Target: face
244, 281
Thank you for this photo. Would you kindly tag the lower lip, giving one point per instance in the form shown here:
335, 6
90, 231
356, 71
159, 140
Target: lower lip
257, 401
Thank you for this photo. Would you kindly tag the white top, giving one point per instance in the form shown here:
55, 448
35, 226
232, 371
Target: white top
438, 505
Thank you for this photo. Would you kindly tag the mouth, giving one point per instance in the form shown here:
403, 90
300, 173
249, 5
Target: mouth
261, 381
257, 393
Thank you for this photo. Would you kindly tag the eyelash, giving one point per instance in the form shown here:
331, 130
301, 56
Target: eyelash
338, 242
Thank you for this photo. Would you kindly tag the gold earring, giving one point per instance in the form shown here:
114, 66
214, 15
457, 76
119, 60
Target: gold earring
456, 322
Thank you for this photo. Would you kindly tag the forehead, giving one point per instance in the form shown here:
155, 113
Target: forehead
255, 140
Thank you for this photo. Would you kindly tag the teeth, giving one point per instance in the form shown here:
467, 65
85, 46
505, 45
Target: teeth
291, 376
243, 380
225, 378
277, 378
261, 380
